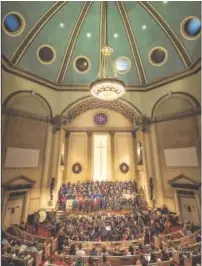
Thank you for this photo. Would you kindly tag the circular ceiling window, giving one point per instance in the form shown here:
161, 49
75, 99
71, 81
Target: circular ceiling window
82, 64
122, 65
13, 24
158, 56
191, 28
46, 54
100, 119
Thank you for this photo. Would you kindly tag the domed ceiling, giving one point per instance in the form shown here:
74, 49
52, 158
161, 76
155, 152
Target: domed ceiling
58, 43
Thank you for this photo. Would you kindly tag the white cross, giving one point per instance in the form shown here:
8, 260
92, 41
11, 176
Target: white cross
100, 147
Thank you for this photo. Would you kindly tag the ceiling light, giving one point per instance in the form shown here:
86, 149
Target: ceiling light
144, 27
107, 88
165, 1
62, 25
88, 34
116, 35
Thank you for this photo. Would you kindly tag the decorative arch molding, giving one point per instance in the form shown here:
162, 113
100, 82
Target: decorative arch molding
193, 101
13, 95
120, 106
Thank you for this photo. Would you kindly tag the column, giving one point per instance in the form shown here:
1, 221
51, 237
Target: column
55, 162
90, 147
3, 210
65, 175
4, 119
159, 195
46, 166
135, 155
113, 177
148, 165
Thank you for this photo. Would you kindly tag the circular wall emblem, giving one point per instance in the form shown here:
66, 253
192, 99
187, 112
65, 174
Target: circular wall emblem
100, 119
124, 168
76, 168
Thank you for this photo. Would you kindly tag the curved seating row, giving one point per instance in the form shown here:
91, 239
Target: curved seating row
34, 238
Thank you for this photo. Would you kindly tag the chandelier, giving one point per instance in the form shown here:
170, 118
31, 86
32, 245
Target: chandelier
107, 87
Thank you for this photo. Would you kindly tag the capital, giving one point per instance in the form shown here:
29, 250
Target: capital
89, 133
67, 134
112, 133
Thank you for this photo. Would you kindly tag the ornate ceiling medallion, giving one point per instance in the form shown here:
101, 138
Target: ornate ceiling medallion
13, 24
191, 28
158, 56
82, 64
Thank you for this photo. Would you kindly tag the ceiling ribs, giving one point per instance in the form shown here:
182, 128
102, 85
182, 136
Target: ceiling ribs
70, 47
34, 31
180, 48
103, 32
133, 43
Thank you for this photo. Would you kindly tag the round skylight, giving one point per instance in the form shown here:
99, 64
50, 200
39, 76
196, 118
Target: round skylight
122, 65
46, 54
82, 64
158, 56
191, 27
13, 23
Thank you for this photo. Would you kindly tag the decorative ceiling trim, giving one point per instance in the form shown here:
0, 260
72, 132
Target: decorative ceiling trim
68, 53
132, 41
17, 113
10, 68
83, 99
103, 30
180, 48
34, 31
89, 103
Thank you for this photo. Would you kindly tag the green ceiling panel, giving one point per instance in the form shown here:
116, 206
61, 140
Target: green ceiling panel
174, 14
9, 44
152, 37
88, 47
88, 41
54, 36
120, 45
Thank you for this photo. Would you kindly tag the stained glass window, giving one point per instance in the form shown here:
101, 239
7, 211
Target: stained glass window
100, 119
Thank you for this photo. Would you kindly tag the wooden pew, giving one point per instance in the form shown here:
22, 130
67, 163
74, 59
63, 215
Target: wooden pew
17, 262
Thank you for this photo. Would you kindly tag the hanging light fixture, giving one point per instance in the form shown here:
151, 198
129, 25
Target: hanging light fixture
107, 87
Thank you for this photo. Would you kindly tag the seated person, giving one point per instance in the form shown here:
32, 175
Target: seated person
164, 210
131, 250
72, 250
50, 262
80, 252
93, 252
68, 261
79, 262
105, 262
104, 252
